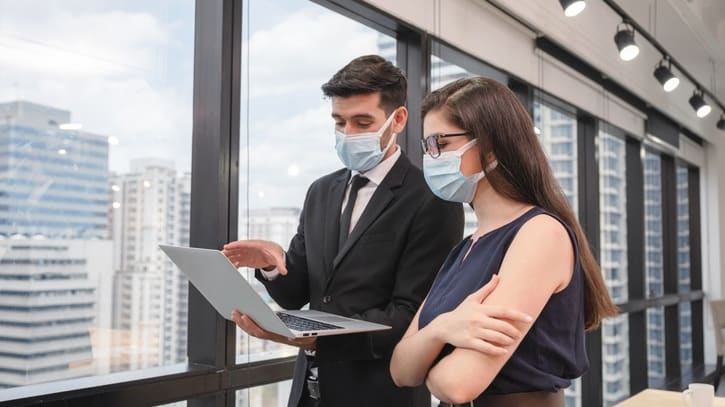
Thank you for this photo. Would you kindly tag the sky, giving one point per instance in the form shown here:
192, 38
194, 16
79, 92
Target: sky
125, 69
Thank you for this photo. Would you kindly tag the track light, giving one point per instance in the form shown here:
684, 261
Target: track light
721, 122
664, 75
697, 101
572, 7
628, 49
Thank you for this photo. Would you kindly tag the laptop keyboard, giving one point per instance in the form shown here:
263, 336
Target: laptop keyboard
304, 324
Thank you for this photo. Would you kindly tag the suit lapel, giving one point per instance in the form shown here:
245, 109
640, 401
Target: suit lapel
332, 220
379, 201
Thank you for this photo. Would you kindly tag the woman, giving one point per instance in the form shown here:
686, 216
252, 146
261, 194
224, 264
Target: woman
528, 256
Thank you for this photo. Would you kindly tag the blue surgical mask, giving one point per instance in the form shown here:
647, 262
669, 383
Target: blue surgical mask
361, 152
444, 177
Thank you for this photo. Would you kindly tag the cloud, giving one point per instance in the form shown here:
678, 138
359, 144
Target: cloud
127, 74
289, 121
110, 68
302, 51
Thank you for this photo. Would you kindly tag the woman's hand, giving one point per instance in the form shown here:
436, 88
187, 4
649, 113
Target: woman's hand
475, 326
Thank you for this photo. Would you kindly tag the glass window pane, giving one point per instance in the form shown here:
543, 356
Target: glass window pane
685, 310
557, 132
298, 132
653, 224
615, 357
270, 395
573, 393
95, 154
683, 230
656, 347
615, 338
613, 214
443, 72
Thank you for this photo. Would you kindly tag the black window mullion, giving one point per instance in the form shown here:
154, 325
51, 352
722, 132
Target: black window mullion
693, 190
214, 168
588, 182
673, 371
525, 93
638, 368
413, 57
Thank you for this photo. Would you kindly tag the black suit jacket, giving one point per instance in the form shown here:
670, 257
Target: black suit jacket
381, 274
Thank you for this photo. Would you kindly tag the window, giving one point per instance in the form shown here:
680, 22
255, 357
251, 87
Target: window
275, 394
448, 65
557, 132
683, 264
82, 118
653, 224
656, 347
613, 209
287, 138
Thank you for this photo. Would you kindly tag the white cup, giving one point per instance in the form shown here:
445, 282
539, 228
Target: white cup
699, 395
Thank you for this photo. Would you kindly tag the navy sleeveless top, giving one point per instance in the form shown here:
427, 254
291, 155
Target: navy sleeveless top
552, 352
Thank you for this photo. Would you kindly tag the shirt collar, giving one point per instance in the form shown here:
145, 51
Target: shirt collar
378, 173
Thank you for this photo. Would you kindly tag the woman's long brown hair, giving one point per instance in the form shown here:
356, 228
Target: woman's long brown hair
493, 114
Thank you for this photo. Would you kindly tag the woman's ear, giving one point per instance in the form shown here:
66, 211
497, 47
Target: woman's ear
490, 159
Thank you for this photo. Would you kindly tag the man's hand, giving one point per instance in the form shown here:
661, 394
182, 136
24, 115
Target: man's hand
251, 328
260, 254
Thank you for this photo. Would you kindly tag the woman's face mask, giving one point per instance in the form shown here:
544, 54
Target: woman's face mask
444, 177
361, 152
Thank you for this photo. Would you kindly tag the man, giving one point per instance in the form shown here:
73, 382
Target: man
370, 241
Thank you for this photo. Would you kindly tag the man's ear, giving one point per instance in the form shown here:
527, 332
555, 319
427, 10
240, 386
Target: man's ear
399, 120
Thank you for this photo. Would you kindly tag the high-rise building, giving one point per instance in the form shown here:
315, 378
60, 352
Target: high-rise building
683, 263
613, 261
55, 256
54, 182
150, 206
654, 266
278, 225
557, 133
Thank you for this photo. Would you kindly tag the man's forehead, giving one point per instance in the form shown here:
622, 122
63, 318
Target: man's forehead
358, 105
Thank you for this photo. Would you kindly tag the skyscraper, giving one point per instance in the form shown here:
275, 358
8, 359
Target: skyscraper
150, 206
613, 261
55, 256
654, 266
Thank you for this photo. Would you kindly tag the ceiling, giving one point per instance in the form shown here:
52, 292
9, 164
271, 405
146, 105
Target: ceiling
693, 31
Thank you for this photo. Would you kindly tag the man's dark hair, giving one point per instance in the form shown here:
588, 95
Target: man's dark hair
369, 74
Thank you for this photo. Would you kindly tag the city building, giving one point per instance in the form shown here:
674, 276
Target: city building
55, 256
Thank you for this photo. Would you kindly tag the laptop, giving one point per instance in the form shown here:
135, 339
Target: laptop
226, 289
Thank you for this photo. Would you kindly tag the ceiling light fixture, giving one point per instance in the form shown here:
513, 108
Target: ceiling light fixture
572, 7
664, 75
628, 49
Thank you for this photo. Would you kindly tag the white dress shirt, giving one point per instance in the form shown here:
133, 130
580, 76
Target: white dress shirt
376, 175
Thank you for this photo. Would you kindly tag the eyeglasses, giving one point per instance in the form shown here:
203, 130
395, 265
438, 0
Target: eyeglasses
431, 144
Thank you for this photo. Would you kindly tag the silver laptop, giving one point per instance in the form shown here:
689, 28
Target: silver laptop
226, 289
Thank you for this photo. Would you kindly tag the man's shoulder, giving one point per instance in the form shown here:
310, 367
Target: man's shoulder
328, 179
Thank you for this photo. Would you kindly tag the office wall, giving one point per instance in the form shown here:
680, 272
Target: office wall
484, 31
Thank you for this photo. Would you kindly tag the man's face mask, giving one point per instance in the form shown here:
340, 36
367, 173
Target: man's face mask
361, 152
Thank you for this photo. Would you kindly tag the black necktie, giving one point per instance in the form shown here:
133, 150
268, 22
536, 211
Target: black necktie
358, 181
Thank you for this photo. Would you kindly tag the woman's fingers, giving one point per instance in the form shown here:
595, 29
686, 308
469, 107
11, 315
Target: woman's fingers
495, 337
482, 293
509, 314
486, 347
504, 327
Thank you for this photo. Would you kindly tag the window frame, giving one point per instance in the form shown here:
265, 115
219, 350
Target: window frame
212, 376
